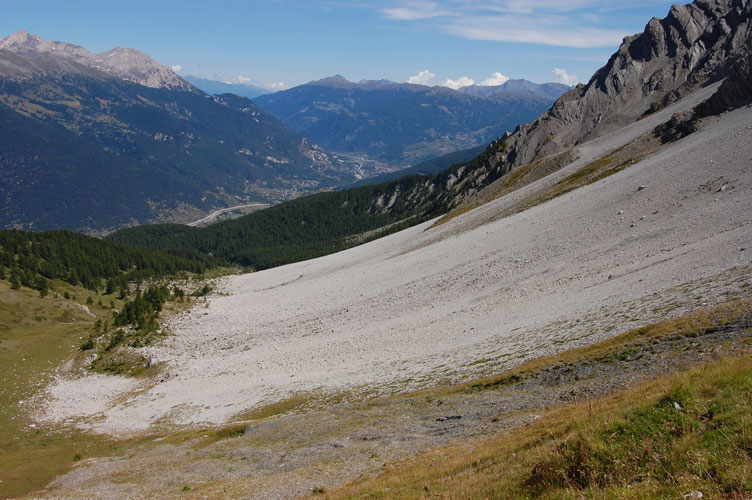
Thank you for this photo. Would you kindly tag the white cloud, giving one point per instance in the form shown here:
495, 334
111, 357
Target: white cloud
422, 78
563, 77
245, 80
554, 30
276, 86
176, 68
414, 10
495, 79
543, 22
462, 81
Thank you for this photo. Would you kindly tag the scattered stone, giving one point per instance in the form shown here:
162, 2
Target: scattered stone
640, 188
694, 494
677, 406
451, 417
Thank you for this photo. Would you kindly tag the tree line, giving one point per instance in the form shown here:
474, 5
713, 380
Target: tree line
33, 258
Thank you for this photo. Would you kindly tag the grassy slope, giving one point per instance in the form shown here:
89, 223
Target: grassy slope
633, 444
620, 158
37, 335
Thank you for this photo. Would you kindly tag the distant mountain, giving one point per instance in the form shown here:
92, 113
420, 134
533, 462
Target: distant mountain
215, 87
96, 141
519, 87
696, 45
40, 56
399, 123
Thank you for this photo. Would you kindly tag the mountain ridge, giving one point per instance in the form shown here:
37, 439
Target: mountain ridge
399, 124
638, 79
129, 64
87, 148
549, 142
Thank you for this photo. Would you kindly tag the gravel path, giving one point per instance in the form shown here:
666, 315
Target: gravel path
466, 299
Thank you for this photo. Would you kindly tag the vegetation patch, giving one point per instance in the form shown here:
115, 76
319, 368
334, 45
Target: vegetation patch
666, 439
97, 326
512, 181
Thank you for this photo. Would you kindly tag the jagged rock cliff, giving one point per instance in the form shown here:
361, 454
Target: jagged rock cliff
693, 46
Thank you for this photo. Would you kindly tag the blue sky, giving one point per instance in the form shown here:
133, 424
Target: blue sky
288, 42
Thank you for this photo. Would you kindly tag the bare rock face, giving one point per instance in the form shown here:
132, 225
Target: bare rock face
134, 65
129, 64
693, 46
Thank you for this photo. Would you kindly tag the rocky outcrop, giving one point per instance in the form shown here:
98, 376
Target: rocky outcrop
736, 89
693, 46
734, 92
42, 57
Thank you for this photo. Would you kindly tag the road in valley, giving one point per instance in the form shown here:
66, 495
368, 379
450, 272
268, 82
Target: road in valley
217, 213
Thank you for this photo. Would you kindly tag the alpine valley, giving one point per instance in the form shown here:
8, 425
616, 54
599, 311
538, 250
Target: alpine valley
93, 142
563, 311
400, 124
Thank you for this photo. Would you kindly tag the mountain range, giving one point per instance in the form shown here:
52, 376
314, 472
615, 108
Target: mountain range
98, 141
693, 47
94, 142
401, 124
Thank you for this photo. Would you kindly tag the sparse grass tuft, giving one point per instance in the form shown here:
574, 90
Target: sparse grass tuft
690, 432
615, 161
663, 439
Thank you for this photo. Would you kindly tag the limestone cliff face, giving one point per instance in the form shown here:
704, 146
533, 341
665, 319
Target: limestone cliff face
42, 57
694, 45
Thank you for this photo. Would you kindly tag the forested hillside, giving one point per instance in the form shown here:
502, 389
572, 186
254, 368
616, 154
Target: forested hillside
323, 223
31, 259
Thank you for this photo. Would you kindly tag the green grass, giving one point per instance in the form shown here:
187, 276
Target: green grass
634, 445
37, 335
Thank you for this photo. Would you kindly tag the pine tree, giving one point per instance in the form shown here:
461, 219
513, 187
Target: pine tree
15, 281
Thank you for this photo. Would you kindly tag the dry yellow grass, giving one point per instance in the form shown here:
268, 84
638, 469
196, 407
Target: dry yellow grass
634, 444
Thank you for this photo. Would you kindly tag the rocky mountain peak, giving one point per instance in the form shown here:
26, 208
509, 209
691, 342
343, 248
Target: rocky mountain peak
129, 64
21, 41
134, 65
336, 81
692, 46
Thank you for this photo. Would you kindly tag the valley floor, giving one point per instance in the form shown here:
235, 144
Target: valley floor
472, 297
